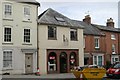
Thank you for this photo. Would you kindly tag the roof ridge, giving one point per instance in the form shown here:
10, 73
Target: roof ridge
49, 17
42, 14
27, 1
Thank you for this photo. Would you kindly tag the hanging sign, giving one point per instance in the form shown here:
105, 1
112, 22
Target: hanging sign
52, 57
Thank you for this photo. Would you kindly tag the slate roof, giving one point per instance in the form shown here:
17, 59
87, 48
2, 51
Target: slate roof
106, 28
49, 17
90, 29
28, 1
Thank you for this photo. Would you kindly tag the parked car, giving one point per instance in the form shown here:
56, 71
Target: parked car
114, 70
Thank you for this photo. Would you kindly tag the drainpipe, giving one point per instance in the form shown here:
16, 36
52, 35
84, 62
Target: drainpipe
37, 40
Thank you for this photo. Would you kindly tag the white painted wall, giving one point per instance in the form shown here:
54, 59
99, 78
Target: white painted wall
58, 44
18, 24
44, 44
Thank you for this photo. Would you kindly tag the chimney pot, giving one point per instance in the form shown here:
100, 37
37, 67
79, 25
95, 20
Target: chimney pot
87, 19
110, 22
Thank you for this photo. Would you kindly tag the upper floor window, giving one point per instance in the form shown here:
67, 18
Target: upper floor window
112, 36
113, 47
27, 13
7, 34
84, 42
52, 32
7, 58
96, 42
27, 35
8, 10
73, 34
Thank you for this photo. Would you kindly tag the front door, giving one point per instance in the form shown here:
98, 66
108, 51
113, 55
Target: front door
63, 62
28, 63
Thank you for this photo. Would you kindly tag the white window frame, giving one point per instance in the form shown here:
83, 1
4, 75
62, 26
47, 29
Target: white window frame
97, 61
9, 12
27, 13
9, 59
84, 39
97, 44
113, 37
113, 58
26, 36
113, 47
4, 34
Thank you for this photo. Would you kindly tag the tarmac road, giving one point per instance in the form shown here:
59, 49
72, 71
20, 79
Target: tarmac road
65, 76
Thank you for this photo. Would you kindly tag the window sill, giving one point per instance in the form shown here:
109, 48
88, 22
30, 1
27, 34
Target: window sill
113, 38
52, 39
7, 43
4, 69
29, 21
97, 48
26, 44
74, 40
8, 19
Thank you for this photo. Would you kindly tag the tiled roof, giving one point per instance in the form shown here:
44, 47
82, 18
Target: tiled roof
106, 28
90, 29
28, 1
52, 17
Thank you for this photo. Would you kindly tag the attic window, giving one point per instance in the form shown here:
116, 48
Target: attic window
60, 19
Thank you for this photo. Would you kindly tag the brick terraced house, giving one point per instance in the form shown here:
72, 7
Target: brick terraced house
112, 39
94, 43
101, 42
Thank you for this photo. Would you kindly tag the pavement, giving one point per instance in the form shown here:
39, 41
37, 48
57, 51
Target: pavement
50, 76
64, 76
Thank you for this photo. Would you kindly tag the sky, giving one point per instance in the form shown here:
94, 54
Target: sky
99, 10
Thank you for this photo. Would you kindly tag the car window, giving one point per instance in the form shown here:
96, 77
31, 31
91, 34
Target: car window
117, 65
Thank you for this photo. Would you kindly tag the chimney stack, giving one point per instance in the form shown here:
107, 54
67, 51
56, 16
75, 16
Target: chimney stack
110, 23
87, 19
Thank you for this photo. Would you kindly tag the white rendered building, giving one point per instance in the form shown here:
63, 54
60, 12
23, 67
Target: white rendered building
18, 36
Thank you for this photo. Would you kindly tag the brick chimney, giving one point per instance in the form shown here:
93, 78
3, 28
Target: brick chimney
87, 19
110, 23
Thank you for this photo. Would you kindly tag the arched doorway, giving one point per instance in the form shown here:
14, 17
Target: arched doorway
72, 58
52, 62
63, 62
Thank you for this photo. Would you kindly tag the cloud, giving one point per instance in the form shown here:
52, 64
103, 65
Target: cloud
99, 11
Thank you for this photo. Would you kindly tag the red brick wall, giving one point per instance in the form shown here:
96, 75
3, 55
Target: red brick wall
109, 42
90, 44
